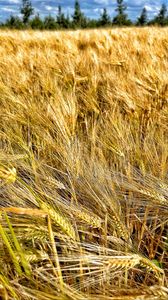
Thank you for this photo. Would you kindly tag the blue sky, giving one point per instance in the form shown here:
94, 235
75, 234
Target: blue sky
91, 8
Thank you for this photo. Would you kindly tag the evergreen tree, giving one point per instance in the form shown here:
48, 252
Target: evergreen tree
26, 10
121, 18
104, 18
37, 23
13, 23
93, 23
62, 21
50, 23
121, 7
161, 18
77, 13
79, 20
68, 23
142, 20
60, 17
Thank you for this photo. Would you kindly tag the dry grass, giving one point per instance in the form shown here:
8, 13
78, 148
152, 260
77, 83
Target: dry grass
84, 164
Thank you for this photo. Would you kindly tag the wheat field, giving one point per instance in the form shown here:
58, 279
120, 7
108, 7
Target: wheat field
84, 164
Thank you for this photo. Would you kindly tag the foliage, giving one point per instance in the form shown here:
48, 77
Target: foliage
143, 18
26, 10
79, 20
62, 21
14, 23
121, 18
37, 23
50, 23
83, 164
161, 19
104, 18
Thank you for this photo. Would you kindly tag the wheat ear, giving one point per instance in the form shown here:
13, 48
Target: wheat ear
156, 197
149, 265
123, 262
8, 175
58, 219
90, 219
120, 228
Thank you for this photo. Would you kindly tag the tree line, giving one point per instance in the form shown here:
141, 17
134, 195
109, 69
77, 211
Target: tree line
79, 20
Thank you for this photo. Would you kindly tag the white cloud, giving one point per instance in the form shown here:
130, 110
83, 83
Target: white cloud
7, 9
103, 2
14, 1
151, 8
98, 10
49, 8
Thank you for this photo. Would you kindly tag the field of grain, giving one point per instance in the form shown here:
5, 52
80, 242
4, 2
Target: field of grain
84, 165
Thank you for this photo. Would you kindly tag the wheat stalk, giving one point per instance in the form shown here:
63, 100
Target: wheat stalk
45, 210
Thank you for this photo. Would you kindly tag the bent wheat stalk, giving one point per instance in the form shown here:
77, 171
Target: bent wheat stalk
45, 210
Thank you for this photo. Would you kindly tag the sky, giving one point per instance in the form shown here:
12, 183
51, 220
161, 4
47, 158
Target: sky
91, 8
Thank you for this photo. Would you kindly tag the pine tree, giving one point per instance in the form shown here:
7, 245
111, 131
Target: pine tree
121, 7
62, 21
161, 18
60, 17
77, 13
59, 14
37, 23
143, 18
121, 18
50, 23
68, 23
13, 22
26, 10
79, 20
93, 23
104, 18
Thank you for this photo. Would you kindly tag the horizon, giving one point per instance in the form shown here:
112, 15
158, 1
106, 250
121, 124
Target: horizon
92, 9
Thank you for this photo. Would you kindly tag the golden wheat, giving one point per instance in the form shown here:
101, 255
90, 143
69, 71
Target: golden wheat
83, 164
8, 175
59, 220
